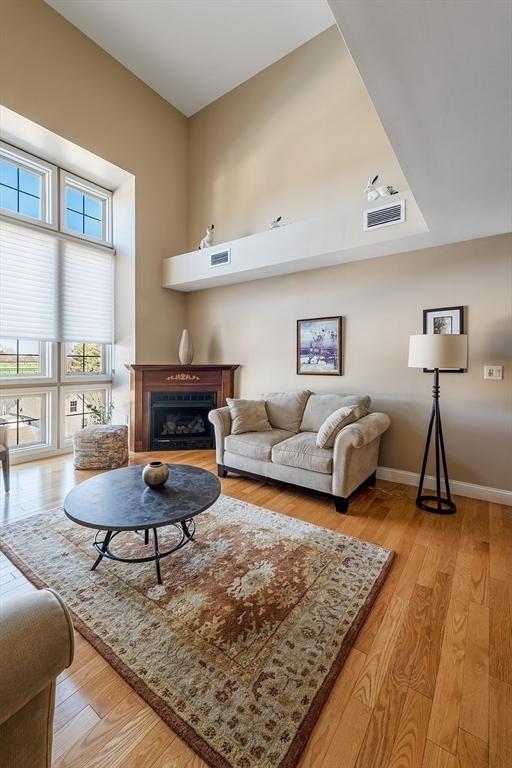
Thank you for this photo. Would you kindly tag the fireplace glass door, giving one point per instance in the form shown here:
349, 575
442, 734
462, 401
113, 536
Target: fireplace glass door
179, 420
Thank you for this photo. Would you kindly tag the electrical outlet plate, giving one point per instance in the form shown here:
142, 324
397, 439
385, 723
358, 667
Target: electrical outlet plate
494, 372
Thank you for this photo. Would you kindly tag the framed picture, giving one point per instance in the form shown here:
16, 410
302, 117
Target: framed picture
319, 346
444, 320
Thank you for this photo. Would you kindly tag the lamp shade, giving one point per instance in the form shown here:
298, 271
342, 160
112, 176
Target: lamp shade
438, 350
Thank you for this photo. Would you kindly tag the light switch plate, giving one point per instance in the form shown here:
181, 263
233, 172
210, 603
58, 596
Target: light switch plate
494, 372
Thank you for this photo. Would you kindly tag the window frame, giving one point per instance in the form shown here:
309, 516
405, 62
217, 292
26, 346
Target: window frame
56, 382
82, 385
48, 364
23, 453
103, 377
49, 185
84, 187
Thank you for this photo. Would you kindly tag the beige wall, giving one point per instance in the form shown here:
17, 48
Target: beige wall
298, 140
295, 140
57, 77
381, 301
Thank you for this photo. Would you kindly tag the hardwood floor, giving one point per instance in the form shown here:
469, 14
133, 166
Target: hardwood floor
428, 683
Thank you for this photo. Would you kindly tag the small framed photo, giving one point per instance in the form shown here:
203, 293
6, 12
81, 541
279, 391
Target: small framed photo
319, 346
448, 320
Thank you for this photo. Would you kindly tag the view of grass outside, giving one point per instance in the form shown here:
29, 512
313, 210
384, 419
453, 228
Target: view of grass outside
20, 358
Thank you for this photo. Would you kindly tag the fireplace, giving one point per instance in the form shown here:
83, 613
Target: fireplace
179, 421
170, 404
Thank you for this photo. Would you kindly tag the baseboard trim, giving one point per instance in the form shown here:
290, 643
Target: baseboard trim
457, 487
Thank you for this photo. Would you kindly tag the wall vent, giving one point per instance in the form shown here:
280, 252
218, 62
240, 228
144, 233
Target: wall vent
220, 258
384, 215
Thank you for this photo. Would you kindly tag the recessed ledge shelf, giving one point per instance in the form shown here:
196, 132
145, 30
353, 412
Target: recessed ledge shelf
297, 247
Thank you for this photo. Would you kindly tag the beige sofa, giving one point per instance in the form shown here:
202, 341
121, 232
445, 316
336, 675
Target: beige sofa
36, 644
288, 453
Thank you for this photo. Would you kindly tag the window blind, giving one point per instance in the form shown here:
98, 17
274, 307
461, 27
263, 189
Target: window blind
53, 288
28, 283
87, 291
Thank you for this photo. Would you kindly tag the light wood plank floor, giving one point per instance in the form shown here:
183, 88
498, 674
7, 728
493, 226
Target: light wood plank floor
428, 683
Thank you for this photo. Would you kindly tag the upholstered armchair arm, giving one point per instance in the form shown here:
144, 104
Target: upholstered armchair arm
36, 644
221, 420
3, 438
356, 452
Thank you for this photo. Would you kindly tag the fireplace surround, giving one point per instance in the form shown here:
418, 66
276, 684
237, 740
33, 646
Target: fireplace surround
170, 405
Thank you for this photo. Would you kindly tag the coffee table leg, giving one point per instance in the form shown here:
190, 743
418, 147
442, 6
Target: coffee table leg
146, 535
157, 557
186, 530
104, 547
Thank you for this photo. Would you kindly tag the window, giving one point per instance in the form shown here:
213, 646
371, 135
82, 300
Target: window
87, 359
86, 209
83, 213
56, 287
20, 358
26, 418
78, 407
20, 190
23, 359
28, 186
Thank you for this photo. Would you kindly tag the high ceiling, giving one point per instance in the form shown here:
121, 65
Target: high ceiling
440, 77
192, 52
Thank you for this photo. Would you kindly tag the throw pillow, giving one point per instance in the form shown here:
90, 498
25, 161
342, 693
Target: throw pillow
319, 408
285, 409
247, 416
336, 421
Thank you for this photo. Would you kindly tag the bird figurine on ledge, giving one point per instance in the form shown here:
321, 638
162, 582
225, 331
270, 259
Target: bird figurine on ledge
275, 223
374, 193
208, 238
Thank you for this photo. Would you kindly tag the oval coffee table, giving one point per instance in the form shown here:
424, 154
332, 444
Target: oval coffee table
120, 500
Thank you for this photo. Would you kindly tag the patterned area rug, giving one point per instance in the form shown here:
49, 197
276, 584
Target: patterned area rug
239, 648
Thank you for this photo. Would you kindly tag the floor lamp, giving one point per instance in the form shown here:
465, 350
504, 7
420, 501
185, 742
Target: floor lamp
437, 351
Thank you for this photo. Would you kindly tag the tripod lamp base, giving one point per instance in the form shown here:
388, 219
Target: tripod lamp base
435, 504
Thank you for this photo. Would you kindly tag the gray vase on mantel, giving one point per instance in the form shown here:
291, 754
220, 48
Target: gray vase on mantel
186, 350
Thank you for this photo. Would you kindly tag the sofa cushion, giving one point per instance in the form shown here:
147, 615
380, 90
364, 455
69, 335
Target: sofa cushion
334, 423
255, 445
301, 451
247, 416
319, 407
285, 409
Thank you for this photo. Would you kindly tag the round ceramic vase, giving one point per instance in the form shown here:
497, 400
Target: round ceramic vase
155, 474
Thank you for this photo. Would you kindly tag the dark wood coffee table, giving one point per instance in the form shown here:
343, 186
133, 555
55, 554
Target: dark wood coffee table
119, 500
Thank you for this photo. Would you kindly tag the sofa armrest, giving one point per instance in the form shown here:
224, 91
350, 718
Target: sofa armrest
3, 439
36, 644
221, 420
364, 431
356, 452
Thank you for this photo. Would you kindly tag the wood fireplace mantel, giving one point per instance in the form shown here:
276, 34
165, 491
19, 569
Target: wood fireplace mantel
145, 379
